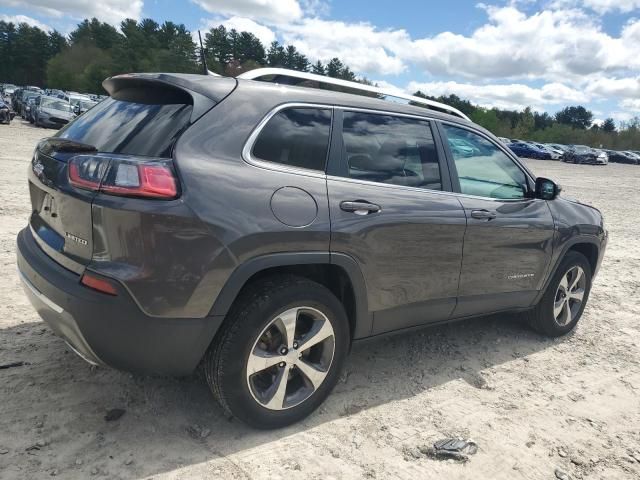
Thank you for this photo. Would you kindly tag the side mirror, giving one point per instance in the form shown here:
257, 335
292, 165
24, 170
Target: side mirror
547, 189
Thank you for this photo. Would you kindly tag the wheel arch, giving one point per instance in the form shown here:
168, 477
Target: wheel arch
338, 272
586, 245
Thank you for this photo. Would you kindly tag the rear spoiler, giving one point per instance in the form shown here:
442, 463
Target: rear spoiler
201, 91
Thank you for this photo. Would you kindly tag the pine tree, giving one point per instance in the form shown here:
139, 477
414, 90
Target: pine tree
318, 68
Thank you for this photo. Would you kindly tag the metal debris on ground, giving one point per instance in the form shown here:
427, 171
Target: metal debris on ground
452, 448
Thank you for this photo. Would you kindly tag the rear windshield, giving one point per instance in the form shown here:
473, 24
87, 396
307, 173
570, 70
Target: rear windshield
119, 126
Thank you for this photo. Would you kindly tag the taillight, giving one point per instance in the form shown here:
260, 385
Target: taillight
124, 176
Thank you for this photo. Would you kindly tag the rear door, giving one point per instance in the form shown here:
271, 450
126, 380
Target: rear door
389, 212
508, 242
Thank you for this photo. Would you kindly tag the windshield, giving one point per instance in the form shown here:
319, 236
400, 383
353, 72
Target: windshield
77, 101
55, 104
582, 149
87, 104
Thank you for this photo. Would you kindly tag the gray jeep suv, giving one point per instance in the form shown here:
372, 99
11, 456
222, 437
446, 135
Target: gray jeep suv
259, 229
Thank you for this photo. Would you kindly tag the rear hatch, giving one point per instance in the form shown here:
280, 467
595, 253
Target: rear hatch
122, 146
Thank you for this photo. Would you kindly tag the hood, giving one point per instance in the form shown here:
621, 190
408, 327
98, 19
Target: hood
57, 113
576, 201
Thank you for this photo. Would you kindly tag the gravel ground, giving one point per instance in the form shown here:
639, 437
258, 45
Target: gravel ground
537, 408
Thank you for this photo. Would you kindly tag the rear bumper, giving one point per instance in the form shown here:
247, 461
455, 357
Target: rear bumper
109, 330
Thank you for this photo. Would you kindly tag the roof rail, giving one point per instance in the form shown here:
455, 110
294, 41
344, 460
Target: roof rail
284, 72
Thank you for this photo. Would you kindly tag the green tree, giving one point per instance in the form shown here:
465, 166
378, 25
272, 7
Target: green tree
318, 68
335, 67
218, 49
94, 32
609, 125
577, 117
276, 55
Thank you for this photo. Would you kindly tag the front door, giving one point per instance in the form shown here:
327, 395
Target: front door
508, 242
389, 212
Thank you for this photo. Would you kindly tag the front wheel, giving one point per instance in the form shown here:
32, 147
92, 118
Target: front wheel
279, 353
565, 298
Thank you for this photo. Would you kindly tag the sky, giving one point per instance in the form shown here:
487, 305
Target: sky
545, 54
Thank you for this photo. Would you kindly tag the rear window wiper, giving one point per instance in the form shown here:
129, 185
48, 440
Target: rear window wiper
56, 144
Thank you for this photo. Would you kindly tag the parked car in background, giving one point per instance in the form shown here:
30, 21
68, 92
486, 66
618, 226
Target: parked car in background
553, 153
527, 150
53, 112
505, 140
81, 106
585, 155
621, 157
603, 156
79, 103
634, 155
6, 112
8, 89
29, 108
461, 147
24, 96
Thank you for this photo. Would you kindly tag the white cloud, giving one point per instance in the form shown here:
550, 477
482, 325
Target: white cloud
360, 45
272, 11
241, 24
551, 44
613, 87
512, 96
24, 19
631, 104
111, 11
265, 34
600, 6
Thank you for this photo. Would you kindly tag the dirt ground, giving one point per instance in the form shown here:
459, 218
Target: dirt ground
537, 408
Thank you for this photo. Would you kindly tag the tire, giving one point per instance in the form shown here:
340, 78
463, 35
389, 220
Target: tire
544, 318
256, 324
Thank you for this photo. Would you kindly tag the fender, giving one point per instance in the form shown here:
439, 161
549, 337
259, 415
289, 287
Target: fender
240, 276
568, 244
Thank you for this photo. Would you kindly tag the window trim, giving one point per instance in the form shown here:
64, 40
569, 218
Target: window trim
247, 150
339, 170
454, 171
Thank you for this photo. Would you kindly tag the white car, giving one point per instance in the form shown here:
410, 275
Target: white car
555, 154
602, 158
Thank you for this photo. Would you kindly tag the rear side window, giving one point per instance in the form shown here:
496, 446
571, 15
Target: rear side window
389, 149
296, 137
139, 127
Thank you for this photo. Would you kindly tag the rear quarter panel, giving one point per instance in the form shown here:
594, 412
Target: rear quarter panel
232, 197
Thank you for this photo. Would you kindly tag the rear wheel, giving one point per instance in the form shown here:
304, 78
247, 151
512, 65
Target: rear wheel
565, 298
279, 353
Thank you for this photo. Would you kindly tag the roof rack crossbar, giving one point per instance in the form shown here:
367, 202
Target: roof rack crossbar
284, 72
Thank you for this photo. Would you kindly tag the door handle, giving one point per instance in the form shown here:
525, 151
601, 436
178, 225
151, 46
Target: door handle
360, 207
483, 214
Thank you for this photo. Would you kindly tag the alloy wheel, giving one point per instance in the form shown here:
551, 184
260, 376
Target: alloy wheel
291, 358
569, 296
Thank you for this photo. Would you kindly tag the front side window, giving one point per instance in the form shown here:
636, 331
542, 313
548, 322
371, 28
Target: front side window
388, 149
483, 169
296, 137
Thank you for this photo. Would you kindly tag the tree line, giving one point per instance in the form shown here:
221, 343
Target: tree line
96, 50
